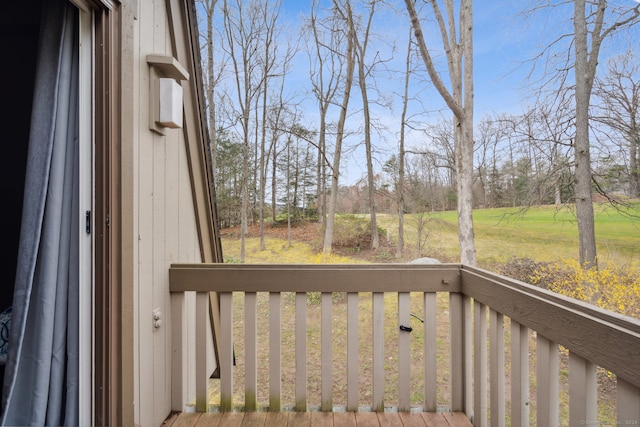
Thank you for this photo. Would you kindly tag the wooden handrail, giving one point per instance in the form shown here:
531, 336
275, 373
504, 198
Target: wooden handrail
314, 278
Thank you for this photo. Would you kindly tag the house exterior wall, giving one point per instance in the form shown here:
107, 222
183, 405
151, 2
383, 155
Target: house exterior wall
163, 218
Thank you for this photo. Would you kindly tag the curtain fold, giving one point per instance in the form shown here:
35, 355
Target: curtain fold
41, 379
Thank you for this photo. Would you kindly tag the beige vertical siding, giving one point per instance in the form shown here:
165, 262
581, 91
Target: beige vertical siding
165, 229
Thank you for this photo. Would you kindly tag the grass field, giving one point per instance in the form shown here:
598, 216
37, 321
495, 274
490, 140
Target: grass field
545, 233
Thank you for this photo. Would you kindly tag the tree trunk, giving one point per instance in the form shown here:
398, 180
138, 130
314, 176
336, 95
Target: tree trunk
401, 153
361, 47
584, 80
634, 182
460, 102
245, 201
263, 162
350, 58
274, 185
210, 7
320, 172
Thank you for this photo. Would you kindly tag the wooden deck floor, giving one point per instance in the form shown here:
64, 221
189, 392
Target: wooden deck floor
364, 419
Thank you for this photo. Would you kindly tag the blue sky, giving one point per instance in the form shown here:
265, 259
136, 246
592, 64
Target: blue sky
498, 78
498, 53
503, 43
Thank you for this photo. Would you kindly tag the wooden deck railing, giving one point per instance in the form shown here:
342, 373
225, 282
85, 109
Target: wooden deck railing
491, 373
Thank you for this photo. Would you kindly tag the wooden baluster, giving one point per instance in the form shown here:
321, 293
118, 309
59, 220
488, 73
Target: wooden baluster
583, 391
467, 343
460, 323
326, 397
480, 364
378, 351
301, 351
430, 352
250, 352
404, 352
548, 383
275, 356
519, 375
179, 357
202, 377
496, 331
353, 374
628, 405
226, 351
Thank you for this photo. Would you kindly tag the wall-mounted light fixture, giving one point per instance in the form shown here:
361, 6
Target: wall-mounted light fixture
165, 92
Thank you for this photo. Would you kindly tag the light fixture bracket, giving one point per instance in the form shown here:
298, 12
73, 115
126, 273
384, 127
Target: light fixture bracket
165, 92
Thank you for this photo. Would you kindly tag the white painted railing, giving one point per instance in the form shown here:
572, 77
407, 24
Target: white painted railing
491, 373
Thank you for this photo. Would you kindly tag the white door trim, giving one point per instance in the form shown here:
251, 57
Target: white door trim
86, 205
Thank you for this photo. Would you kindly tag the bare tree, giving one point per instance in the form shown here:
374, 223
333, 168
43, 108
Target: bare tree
442, 155
349, 58
492, 135
326, 68
618, 109
544, 136
554, 138
361, 45
593, 22
401, 152
212, 75
243, 30
590, 30
458, 45
269, 62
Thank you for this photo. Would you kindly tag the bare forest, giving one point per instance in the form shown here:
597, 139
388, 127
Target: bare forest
326, 107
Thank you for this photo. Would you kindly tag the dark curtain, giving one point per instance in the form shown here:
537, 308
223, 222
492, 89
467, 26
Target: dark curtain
41, 379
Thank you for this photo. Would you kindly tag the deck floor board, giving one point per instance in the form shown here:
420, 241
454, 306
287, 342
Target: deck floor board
328, 419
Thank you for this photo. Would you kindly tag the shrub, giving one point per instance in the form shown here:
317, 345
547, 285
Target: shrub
297, 215
353, 231
523, 269
610, 287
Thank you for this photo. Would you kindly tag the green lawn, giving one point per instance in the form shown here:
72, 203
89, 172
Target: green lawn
544, 233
